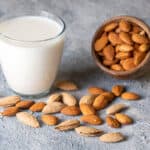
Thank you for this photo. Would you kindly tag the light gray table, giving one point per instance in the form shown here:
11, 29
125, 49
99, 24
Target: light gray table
82, 18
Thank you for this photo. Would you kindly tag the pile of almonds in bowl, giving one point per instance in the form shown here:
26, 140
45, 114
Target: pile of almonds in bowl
87, 108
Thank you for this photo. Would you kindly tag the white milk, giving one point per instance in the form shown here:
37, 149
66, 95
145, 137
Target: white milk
29, 60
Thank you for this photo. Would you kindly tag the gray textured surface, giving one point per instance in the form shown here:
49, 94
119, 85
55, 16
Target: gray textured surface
82, 18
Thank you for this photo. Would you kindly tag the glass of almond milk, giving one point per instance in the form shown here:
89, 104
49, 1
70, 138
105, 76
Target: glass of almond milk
30, 51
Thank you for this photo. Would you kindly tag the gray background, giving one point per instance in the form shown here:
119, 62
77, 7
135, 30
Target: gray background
82, 18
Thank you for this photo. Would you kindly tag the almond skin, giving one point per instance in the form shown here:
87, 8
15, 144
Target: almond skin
112, 122
124, 26
125, 48
24, 104
130, 96
123, 55
49, 120
87, 99
114, 38
139, 57
95, 90
87, 109
109, 52
123, 119
37, 107
128, 64
10, 111
71, 111
117, 90
110, 26
140, 39
109, 95
91, 119
125, 37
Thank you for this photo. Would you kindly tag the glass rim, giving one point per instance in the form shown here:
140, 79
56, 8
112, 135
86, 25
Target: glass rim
43, 40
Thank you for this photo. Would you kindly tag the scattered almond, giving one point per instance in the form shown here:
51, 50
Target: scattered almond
130, 96
87, 99
95, 90
112, 122
71, 111
49, 120
117, 90
37, 107
87, 109
109, 95
10, 111
54, 98
24, 104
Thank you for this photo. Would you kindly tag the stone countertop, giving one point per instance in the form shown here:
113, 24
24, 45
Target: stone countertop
82, 18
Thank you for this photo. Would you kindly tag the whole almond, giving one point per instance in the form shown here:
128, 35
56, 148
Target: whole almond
109, 95
101, 43
69, 99
123, 119
109, 52
109, 62
125, 48
54, 98
124, 26
37, 107
112, 122
66, 85
112, 137
71, 111
88, 131
10, 111
144, 47
114, 38
117, 90
100, 102
28, 119
123, 55
91, 119
140, 39
95, 90
116, 67
125, 37
130, 96
87, 99
49, 120
136, 29
139, 57
24, 104
111, 26
54, 107
68, 125
9, 100
128, 64
115, 108
87, 109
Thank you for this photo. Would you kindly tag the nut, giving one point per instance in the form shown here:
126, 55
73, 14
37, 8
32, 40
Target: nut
130, 96
37, 107
71, 111
49, 120
87, 109
112, 122
117, 90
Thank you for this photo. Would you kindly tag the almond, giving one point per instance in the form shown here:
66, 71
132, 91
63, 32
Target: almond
124, 26
37, 107
110, 26
9, 100
71, 111
114, 38
136, 29
87, 99
115, 108
69, 99
91, 119
125, 37
95, 90
28, 119
112, 137
144, 47
123, 119
117, 30
24, 104
123, 55
10, 111
49, 120
54, 98
67, 125
109, 62
88, 131
112, 122
109, 95
140, 39
128, 64
117, 90
125, 48
117, 67
109, 52
139, 57
130, 96
66, 85
54, 107
87, 109
101, 43
100, 102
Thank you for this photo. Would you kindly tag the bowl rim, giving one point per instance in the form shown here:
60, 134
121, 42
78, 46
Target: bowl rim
132, 19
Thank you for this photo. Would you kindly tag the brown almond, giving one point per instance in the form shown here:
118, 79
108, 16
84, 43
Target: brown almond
128, 64
116, 67
114, 38
66, 85
71, 111
117, 30
87, 99
91, 119
101, 42
123, 55
111, 26
139, 57
100, 102
140, 39
37, 107
117, 90
125, 37
130, 96
144, 47
136, 29
123, 119
125, 48
49, 120
95, 90
54, 98
109, 95
112, 122
124, 26
109, 62
87, 109
109, 52
10, 111
24, 104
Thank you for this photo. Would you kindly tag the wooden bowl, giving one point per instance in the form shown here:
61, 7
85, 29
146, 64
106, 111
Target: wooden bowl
141, 69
